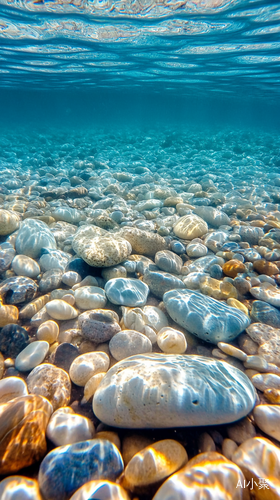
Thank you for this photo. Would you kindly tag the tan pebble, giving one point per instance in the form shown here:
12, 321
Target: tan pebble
87, 365
70, 299
48, 331
205, 443
52, 383
52, 348
91, 386
259, 459
241, 430
12, 387
171, 341
219, 290
34, 307
273, 395
219, 354
9, 362
247, 344
87, 346
228, 448
132, 444
266, 381
238, 305
232, 351
250, 373
8, 314
267, 418
110, 436
233, 267
256, 363
154, 463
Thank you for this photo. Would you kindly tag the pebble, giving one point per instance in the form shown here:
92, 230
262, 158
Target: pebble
23, 416
53, 259
228, 448
25, 266
80, 462
266, 381
98, 325
238, 305
33, 307
208, 475
268, 340
32, 355
171, 341
161, 282
168, 261
19, 488
167, 456
138, 318
212, 216
71, 278
267, 418
48, 331
127, 292
13, 339
91, 386
152, 403
100, 490
143, 242
128, 343
240, 431
132, 444
18, 289
9, 222
12, 387
66, 427
265, 313
233, 267
50, 382
219, 290
189, 227
232, 351
32, 236
196, 250
50, 280
109, 273
265, 267
64, 355
60, 310
87, 365
90, 297
255, 362
205, 317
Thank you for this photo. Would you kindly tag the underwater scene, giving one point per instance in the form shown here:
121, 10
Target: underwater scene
139, 250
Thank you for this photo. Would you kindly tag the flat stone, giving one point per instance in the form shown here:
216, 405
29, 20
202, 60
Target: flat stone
66, 427
189, 227
128, 343
265, 313
19, 488
60, 310
80, 462
32, 236
9, 222
90, 297
218, 478
159, 390
13, 339
168, 261
143, 242
12, 387
267, 293
87, 365
100, 249
105, 490
67, 214
98, 326
127, 292
18, 289
50, 382
263, 381
267, 418
22, 417
25, 266
161, 282
207, 318
32, 355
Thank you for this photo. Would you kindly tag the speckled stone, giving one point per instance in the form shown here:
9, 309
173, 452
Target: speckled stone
88, 364
265, 313
18, 289
143, 242
50, 382
90, 297
97, 326
80, 462
208, 475
128, 343
161, 282
12, 387
9, 222
168, 261
32, 355
100, 248
32, 236
19, 488
100, 490
23, 422
127, 292
159, 390
67, 427
207, 318
13, 339
268, 340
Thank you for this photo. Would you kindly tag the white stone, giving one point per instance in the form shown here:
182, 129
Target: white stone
267, 418
212, 216
100, 489
87, 365
32, 356
91, 386
190, 227
70, 278
19, 488
90, 297
67, 214
12, 387
25, 266
32, 236
171, 341
196, 250
60, 310
67, 427
48, 331
54, 259
127, 292
128, 343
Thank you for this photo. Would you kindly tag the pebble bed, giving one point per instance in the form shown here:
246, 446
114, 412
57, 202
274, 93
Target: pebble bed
139, 315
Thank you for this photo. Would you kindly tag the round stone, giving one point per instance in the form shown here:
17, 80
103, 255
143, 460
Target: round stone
127, 343
233, 267
267, 418
168, 261
159, 390
59, 309
196, 250
48, 331
66, 427
13, 339
19, 488
18, 289
32, 236
12, 387
25, 266
9, 222
190, 227
167, 455
100, 490
143, 242
64, 355
32, 355
127, 292
50, 382
171, 341
207, 318
71, 278
80, 462
98, 326
87, 365
90, 297
264, 267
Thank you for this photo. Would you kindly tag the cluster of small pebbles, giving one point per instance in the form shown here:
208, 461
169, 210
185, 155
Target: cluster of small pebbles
139, 316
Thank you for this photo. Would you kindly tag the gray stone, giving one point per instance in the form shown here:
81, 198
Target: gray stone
207, 318
212, 216
50, 280
265, 313
34, 235
159, 390
127, 292
168, 261
161, 282
18, 289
